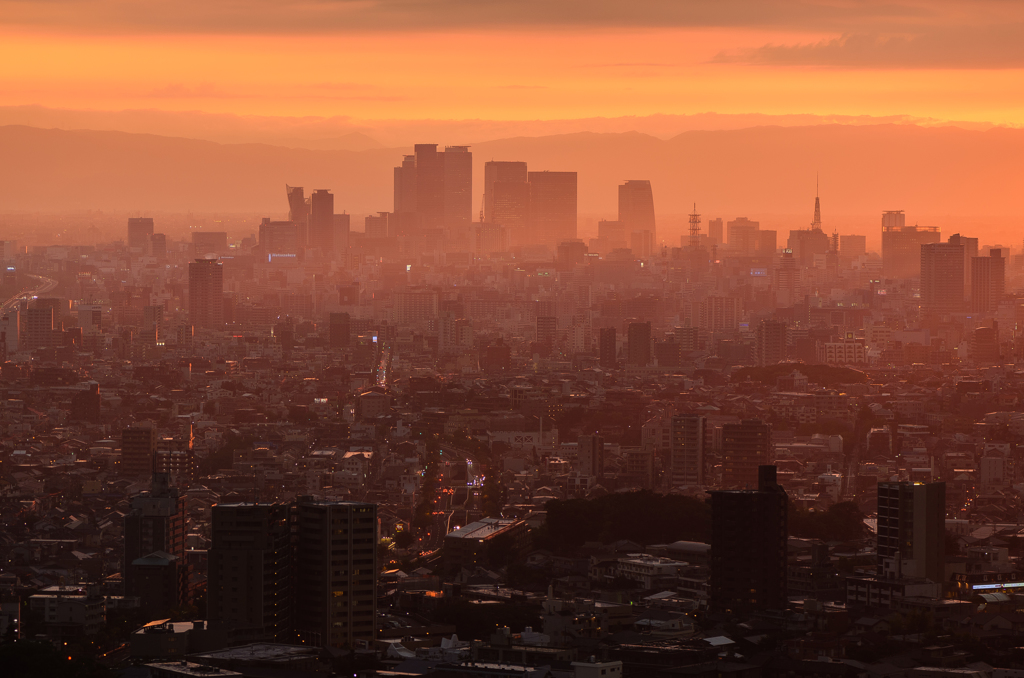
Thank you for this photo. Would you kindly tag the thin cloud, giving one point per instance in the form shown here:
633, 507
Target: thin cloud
991, 47
327, 16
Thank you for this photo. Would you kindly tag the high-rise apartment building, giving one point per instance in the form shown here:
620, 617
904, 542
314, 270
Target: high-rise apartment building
152, 326
988, 281
686, 462
138, 446
901, 245
608, 351
158, 246
638, 344
547, 331
770, 342
552, 207
206, 293
912, 531
718, 313
251, 572
715, 231
852, 246
39, 326
746, 445
942, 277
612, 235
154, 548
749, 546
636, 207
590, 455
340, 331
140, 230
10, 331
504, 172
336, 572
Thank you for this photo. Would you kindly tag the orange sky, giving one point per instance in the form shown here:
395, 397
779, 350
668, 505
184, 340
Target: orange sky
312, 59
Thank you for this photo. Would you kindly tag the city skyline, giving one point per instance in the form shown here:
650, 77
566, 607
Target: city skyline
463, 339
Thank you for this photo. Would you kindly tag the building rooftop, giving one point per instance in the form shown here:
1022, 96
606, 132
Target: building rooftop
482, 529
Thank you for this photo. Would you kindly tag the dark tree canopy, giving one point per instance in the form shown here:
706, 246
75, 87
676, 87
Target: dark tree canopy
840, 522
823, 375
644, 517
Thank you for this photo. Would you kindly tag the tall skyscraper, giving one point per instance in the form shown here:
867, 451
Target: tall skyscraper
552, 207
749, 546
607, 348
321, 222
154, 547
298, 213
206, 293
988, 281
636, 207
298, 208
743, 236
140, 230
429, 186
912, 531
250, 573
278, 237
458, 186
942, 277
787, 280
376, 225
686, 464
901, 245
404, 209
434, 189
510, 208
336, 572
498, 171
638, 344
746, 445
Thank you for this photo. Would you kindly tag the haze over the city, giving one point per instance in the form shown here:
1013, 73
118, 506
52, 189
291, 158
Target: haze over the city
374, 78
511, 339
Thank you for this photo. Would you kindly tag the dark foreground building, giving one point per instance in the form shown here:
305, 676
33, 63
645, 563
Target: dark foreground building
748, 547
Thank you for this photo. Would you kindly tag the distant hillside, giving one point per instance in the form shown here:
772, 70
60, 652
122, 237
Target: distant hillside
927, 171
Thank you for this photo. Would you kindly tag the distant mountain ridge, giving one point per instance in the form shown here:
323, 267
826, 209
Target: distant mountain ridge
863, 168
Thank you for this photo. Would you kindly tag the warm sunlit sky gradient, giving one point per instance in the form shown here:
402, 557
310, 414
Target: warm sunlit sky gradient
517, 60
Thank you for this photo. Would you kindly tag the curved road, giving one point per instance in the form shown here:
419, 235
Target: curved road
44, 286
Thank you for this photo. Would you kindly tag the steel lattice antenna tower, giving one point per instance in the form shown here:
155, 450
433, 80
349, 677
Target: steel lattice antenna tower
816, 224
694, 228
